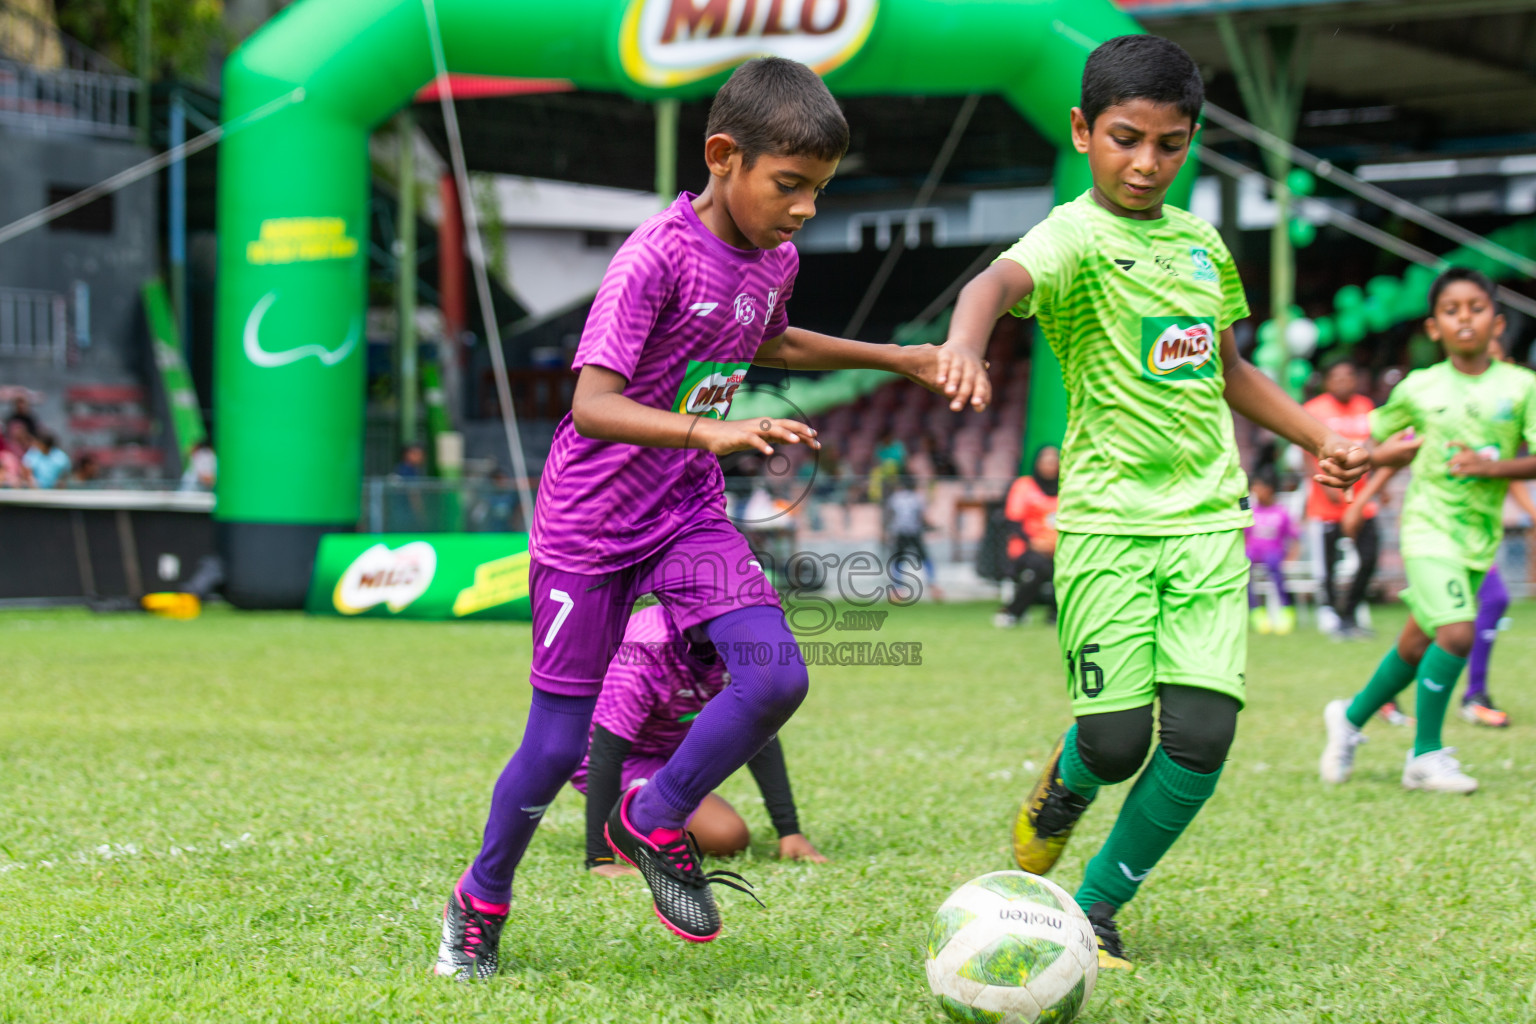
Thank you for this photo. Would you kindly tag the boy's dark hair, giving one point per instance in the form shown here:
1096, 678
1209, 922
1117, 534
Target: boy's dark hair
1141, 67
1451, 275
1267, 476
779, 107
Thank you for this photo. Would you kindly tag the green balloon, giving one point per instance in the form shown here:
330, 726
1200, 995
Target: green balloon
1268, 335
1383, 287
1300, 181
1348, 297
1303, 233
1327, 331
1352, 326
1297, 373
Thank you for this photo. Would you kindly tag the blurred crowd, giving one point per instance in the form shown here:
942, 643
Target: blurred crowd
30, 455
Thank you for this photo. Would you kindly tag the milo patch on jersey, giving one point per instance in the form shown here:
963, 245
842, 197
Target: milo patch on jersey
1177, 348
708, 388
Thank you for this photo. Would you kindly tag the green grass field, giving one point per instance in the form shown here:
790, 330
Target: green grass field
257, 818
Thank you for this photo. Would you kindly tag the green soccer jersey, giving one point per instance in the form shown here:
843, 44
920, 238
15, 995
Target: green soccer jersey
1458, 518
1133, 309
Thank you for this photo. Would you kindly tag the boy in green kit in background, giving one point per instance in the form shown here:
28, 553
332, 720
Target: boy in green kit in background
1470, 413
1137, 300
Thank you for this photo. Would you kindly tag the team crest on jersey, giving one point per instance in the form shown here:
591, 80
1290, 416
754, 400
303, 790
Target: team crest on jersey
1177, 348
708, 388
746, 309
1205, 270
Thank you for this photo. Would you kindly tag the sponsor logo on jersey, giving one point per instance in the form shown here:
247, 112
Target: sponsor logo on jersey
1177, 348
379, 575
708, 388
669, 43
1125, 265
1205, 270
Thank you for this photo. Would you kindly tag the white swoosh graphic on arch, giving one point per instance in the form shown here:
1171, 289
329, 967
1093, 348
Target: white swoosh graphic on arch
261, 357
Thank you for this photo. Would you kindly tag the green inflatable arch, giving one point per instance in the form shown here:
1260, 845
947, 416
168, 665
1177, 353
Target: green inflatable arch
293, 188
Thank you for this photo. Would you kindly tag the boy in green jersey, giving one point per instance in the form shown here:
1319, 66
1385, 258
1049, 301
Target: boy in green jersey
1137, 301
1470, 413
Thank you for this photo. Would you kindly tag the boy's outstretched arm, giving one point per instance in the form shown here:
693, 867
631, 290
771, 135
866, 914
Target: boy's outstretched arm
1469, 462
988, 296
958, 375
1340, 461
601, 410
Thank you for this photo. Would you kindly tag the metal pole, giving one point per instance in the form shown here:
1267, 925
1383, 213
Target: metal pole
177, 227
1271, 68
666, 150
405, 276
143, 56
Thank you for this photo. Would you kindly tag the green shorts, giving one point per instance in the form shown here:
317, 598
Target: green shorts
1440, 592
1138, 612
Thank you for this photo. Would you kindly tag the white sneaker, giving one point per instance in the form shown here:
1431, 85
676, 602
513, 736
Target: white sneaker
1327, 620
1338, 758
1438, 772
1002, 620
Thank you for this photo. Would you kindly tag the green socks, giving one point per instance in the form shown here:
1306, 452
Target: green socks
1074, 774
1392, 676
1438, 673
1162, 803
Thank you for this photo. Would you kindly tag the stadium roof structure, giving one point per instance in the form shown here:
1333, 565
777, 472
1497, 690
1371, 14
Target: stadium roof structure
1460, 72
1386, 80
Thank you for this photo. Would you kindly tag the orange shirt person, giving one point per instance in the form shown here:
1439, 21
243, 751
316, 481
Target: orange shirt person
1032, 504
1342, 409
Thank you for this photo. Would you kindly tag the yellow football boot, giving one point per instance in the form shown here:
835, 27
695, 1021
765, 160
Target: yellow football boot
1046, 820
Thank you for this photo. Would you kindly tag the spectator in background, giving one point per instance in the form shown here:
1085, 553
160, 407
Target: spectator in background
890, 462
1268, 542
1347, 412
202, 470
19, 431
407, 506
87, 469
1032, 505
46, 461
13, 472
906, 518
413, 462
932, 459
21, 409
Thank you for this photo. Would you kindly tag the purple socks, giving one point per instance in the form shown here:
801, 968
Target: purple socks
733, 726
1492, 603
553, 746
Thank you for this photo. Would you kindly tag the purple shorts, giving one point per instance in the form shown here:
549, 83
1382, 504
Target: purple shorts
637, 768
706, 570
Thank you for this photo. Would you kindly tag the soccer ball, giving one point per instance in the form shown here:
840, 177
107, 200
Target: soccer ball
1011, 948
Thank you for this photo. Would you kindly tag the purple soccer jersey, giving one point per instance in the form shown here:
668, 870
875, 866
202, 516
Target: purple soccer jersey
1271, 531
680, 314
653, 691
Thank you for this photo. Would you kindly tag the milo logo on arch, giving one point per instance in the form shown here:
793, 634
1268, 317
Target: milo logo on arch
708, 388
1178, 348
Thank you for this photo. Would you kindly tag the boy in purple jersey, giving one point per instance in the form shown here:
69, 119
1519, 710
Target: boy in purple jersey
632, 500
655, 688
1266, 542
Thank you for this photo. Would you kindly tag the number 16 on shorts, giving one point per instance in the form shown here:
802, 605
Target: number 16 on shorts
1084, 677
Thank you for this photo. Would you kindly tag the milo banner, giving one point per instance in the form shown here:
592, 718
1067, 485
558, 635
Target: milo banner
438, 576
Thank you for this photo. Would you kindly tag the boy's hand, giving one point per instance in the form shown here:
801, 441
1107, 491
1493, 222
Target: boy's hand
1468, 461
725, 436
1396, 452
954, 372
796, 847
1340, 462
